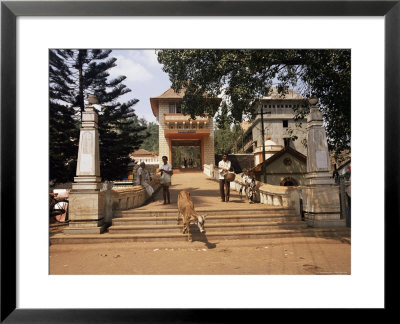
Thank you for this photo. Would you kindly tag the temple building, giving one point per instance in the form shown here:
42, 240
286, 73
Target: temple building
285, 159
284, 168
270, 149
279, 125
188, 143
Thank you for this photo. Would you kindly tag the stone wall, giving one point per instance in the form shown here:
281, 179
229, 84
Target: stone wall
273, 127
209, 145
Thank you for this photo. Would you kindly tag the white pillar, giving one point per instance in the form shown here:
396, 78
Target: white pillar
322, 204
87, 208
88, 166
318, 160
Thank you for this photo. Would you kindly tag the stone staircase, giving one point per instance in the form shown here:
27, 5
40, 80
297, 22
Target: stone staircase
138, 225
141, 225
159, 225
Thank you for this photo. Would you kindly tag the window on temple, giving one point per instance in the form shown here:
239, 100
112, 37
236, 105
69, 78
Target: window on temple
285, 123
172, 108
286, 141
178, 108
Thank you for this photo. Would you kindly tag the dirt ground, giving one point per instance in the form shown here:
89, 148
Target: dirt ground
278, 256
289, 255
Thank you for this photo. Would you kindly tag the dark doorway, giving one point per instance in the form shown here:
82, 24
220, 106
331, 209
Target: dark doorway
289, 182
186, 154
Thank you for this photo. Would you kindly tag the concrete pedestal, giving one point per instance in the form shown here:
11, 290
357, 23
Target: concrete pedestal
322, 206
87, 212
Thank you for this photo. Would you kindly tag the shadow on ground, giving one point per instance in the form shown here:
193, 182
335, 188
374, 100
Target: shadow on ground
201, 237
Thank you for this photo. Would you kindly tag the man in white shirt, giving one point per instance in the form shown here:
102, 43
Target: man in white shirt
224, 187
165, 178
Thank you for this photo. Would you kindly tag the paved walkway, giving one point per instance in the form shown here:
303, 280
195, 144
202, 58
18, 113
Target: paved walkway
204, 192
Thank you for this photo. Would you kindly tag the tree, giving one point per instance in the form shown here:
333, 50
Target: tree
151, 142
225, 136
245, 76
63, 128
86, 72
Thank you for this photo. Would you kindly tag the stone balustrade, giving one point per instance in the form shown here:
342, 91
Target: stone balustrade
128, 198
125, 196
278, 195
131, 196
269, 194
184, 118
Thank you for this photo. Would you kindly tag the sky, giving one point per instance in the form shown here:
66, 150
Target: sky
144, 76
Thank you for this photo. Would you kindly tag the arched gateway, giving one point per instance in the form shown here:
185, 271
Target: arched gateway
188, 143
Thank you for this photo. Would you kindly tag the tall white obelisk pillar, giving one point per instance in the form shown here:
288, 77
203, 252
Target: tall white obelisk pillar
87, 202
322, 202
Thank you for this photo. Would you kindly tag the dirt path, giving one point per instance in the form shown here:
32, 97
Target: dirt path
304, 255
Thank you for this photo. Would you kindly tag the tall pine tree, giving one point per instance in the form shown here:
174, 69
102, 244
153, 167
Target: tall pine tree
86, 72
63, 126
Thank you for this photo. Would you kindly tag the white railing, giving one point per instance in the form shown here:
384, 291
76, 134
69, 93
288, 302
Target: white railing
132, 196
180, 117
121, 196
279, 196
269, 194
208, 170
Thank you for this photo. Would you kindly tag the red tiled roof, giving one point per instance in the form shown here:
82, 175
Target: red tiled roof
142, 152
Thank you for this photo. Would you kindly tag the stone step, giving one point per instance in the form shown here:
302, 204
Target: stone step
210, 228
145, 220
326, 222
208, 211
272, 232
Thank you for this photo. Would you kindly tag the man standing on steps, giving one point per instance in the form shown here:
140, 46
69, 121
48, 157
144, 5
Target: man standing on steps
165, 179
224, 187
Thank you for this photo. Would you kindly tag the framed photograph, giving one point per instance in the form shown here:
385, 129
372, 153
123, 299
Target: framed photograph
29, 28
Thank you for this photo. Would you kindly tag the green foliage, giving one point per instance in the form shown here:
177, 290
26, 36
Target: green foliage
225, 136
245, 76
63, 146
73, 75
63, 130
150, 143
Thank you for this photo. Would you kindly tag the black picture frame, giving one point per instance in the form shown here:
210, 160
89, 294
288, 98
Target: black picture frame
10, 10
